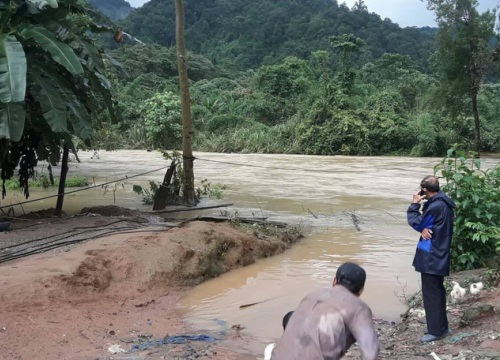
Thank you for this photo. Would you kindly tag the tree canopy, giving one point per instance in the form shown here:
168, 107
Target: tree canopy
468, 44
240, 34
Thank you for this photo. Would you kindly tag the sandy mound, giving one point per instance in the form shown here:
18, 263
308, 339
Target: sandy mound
124, 264
74, 304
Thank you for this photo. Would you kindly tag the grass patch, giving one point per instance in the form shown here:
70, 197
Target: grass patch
44, 182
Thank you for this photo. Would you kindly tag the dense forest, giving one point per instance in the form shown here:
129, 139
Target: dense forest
240, 34
300, 76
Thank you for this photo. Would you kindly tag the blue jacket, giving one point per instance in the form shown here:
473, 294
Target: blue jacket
433, 255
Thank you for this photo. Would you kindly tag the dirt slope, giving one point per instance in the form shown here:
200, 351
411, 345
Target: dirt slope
75, 304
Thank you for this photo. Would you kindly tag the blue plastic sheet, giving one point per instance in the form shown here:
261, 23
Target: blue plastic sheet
179, 339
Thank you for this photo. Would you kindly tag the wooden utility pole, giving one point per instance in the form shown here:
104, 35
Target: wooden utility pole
62, 181
187, 125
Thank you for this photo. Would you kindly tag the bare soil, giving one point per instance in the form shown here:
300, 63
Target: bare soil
77, 301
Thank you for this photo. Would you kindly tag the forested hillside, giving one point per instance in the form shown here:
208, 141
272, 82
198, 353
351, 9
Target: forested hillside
114, 9
308, 77
242, 34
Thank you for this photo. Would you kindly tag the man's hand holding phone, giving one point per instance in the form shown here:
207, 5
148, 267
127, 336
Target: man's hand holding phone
418, 196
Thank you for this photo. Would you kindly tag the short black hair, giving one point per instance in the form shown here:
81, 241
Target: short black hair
286, 318
352, 276
430, 183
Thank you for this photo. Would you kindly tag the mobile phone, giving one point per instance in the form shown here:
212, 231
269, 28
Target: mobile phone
421, 192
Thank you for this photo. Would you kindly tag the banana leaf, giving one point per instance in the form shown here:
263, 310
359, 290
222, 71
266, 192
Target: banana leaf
53, 104
12, 70
12, 116
60, 52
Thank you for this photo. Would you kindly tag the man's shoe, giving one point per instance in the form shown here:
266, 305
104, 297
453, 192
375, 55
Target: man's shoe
427, 331
429, 337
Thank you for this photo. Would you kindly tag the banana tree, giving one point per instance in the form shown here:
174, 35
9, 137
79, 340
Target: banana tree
52, 81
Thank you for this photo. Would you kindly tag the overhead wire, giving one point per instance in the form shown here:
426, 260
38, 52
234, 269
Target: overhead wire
269, 167
85, 188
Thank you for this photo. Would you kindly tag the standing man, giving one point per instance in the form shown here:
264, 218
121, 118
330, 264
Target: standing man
328, 321
432, 257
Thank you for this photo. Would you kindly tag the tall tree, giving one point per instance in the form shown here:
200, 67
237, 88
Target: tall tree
467, 45
187, 125
347, 45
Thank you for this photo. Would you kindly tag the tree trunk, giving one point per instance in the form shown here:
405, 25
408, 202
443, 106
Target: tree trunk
62, 181
165, 190
187, 126
477, 134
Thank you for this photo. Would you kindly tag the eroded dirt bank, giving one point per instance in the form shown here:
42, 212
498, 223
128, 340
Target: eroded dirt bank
121, 290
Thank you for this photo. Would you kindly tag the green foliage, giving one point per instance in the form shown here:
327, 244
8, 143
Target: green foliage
213, 191
76, 181
44, 182
343, 133
467, 44
175, 187
327, 80
489, 108
148, 194
476, 194
253, 138
241, 34
432, 138
162, 120
52, 81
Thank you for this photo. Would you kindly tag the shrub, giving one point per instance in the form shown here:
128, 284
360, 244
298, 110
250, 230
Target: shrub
476, 194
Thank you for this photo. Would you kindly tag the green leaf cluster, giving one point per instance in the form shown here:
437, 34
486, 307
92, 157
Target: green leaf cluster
52, 82
476, 193
241, 34
161, 115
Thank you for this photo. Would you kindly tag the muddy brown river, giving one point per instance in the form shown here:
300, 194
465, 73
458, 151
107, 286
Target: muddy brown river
350, 208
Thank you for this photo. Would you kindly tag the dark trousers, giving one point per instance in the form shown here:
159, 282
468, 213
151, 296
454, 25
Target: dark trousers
434, 295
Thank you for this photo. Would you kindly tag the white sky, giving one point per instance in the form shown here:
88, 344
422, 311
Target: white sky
403, 12
410, 12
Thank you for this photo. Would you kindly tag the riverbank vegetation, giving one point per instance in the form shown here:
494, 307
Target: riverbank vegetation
476, 192
43, 181
310, 78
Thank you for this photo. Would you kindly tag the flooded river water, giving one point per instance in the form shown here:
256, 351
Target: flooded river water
321, 195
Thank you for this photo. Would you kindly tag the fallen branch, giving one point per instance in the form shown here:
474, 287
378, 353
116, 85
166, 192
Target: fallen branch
193, 208
313, 214
259, 221
258, 302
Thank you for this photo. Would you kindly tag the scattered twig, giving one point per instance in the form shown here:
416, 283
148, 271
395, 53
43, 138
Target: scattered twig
355, 221
31, 320
313, 214
260, 207
402, 297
